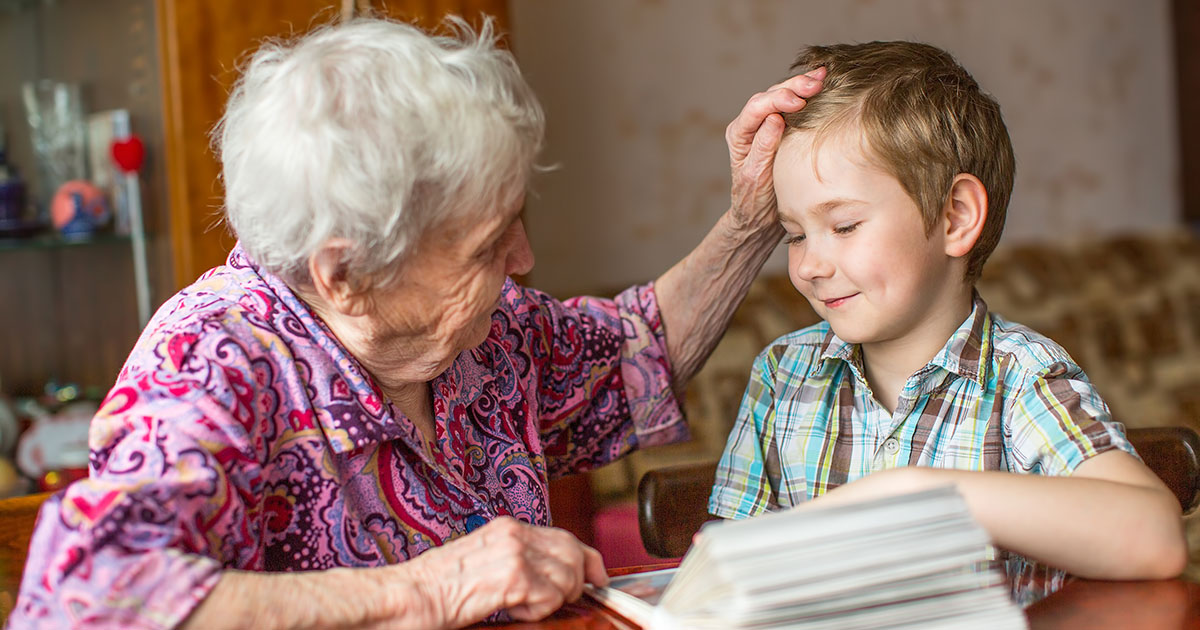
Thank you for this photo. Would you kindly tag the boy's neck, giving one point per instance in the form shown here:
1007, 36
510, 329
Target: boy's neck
888, 365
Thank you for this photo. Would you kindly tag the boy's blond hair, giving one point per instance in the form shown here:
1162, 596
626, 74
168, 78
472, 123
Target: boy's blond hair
924, 119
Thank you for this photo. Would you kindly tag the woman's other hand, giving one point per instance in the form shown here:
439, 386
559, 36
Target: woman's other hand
507, 564
754, 136
698, 295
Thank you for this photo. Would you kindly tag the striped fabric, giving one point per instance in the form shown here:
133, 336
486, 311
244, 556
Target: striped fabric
998, 396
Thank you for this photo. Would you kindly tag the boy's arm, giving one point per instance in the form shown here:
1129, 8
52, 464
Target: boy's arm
1073, 499
1111, 519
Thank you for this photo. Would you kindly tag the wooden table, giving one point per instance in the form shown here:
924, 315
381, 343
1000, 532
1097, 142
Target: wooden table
1163, 605
1081, 605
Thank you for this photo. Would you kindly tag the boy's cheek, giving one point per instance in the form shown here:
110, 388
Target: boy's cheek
801, 286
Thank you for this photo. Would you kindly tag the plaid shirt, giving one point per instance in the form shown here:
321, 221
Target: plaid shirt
998, 396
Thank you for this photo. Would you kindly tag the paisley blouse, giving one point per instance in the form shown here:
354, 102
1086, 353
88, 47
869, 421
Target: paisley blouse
241, 434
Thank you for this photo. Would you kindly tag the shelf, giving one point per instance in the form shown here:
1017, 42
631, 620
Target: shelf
16, 6
51, 240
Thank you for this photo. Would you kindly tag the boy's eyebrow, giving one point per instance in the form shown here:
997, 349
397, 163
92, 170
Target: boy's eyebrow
833, 204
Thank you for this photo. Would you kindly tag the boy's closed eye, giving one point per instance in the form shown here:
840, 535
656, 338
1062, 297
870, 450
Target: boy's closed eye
846, 228
841, 230
792, 239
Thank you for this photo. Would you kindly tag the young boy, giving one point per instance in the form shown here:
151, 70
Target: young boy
892, 185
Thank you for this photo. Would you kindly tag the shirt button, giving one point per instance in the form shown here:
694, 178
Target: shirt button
891, 445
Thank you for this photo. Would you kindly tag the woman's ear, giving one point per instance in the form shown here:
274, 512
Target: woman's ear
964, 215
332, 280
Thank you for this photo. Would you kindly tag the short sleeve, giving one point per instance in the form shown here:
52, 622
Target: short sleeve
141, 541
1057, 421
600, 374
742, 488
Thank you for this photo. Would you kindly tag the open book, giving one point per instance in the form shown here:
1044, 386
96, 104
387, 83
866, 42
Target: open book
911, 561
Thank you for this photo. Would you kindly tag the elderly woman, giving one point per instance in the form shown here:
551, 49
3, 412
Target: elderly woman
352, 422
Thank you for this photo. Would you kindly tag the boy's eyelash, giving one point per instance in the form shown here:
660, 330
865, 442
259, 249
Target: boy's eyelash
792, 239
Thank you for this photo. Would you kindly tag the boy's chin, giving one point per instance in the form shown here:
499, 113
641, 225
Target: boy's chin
849, 335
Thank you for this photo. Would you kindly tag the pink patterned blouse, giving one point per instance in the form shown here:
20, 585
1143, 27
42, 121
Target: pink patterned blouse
241, 434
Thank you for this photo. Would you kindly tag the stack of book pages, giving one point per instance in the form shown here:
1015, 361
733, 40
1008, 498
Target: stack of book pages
911, 561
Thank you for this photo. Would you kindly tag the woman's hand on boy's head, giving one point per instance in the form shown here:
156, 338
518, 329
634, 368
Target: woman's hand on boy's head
753, 138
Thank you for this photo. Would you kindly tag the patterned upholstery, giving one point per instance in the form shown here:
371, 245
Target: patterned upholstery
1126, 308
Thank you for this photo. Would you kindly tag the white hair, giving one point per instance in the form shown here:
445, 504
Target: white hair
372, 130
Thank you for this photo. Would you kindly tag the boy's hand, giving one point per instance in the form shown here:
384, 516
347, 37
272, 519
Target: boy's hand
753, 137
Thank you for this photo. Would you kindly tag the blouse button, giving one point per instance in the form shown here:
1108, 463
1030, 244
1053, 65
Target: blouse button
474, 522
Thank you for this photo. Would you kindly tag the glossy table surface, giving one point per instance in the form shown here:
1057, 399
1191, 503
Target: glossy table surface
1081, 604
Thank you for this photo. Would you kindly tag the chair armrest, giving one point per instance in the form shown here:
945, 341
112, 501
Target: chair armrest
672, 505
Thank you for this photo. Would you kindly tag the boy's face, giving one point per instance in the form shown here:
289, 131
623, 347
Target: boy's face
857, 247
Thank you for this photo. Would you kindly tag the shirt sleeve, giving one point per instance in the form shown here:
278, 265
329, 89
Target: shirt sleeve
142, 540
600, 374
1057, 421
742, 488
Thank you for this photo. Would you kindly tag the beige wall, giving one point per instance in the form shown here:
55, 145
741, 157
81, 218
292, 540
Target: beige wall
638, 93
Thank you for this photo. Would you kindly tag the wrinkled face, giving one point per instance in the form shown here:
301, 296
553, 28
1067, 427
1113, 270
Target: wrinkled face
857, 247
448, 289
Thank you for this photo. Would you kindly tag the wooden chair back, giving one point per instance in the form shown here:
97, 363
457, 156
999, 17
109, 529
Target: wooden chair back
1173, 453
673, 501
17, 518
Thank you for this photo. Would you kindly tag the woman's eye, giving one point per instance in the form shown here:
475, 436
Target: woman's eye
792, 239
845, 229
488, 253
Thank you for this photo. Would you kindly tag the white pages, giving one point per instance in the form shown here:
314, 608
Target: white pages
911, 561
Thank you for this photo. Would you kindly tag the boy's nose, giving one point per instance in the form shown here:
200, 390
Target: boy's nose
812, 265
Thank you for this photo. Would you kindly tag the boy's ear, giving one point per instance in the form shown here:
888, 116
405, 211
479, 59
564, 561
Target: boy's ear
964, 215
331, 278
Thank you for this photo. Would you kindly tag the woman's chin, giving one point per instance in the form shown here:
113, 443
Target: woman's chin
475, 337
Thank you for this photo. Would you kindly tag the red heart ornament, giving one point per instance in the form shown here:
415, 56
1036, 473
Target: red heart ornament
128, 154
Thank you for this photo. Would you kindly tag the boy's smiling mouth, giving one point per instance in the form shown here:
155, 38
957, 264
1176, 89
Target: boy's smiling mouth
837, 301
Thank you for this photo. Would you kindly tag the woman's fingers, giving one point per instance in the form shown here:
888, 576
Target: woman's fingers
593, 567
753, 138
530, 571
555, 567
785, 97
801, 86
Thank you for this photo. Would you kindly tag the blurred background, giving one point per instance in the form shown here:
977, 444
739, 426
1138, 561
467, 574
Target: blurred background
638, 94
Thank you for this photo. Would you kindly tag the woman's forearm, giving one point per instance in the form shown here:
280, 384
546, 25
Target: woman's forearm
697, 297
527, 570
336, 598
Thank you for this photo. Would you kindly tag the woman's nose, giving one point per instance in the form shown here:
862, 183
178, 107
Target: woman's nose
519, 260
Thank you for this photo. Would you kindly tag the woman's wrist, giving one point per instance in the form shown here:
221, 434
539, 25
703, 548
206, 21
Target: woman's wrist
334, 598
408, 594
740, 227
